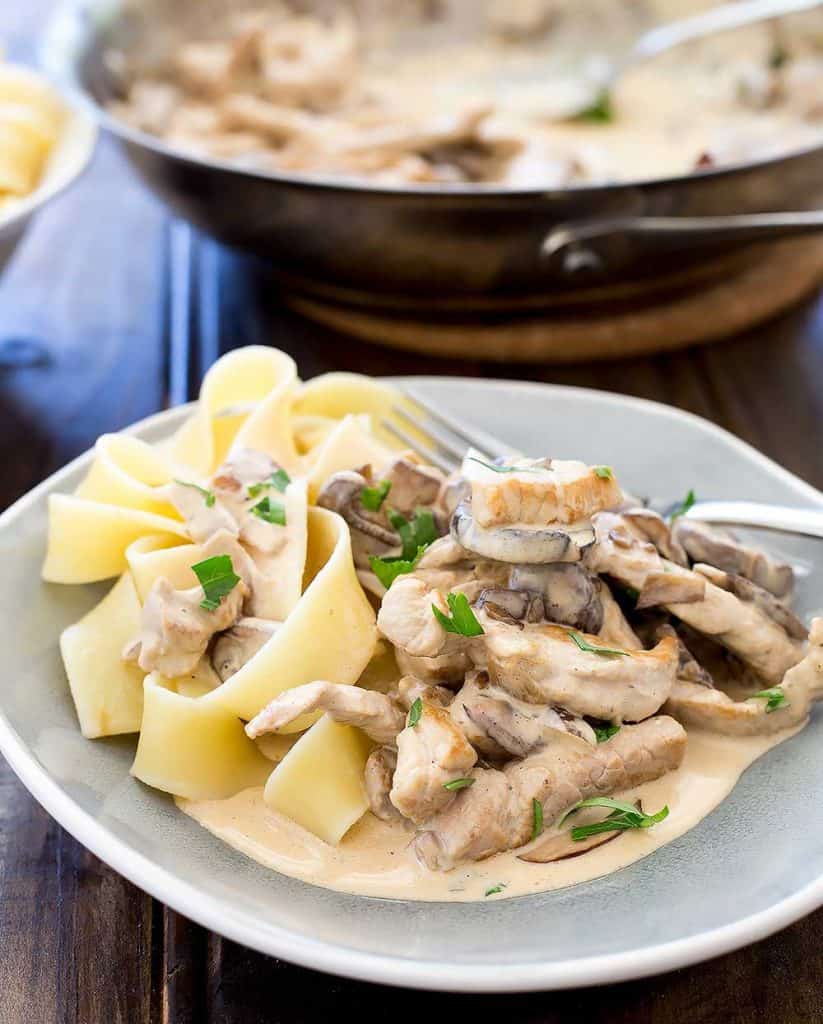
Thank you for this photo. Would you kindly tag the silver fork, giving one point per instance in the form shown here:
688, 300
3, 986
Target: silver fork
448, 438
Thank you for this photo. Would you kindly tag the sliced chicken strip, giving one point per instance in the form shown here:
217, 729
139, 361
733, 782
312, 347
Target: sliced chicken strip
700, 707
544, 665
379, 773
445, 669
245, 469
201, 512
708, 544
406, 619
430, 754
615, 630
762, 598
739, 625
538, 491
410, 689
496, 812
375, 713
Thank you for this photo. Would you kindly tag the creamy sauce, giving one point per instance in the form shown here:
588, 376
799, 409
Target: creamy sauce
374, 859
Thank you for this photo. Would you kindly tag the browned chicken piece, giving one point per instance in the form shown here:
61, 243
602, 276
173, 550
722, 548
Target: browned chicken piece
705, 708
410, 689
203, 518
758, 596
544, 665
379, 773
501, 726
174, 630
406, 619
496, 812
430, 755
741, 626
705, 543
244, 469
375, 713
446, 669
239, 644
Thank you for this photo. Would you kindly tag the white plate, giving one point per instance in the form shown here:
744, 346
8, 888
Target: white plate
752, 866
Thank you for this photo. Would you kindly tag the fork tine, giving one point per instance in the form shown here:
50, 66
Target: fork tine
427, 454
479, 439
435, 435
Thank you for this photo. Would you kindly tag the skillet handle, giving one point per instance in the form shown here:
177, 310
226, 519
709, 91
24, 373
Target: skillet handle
606, 245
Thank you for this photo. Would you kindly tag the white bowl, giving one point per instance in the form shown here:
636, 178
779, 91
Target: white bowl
67, 161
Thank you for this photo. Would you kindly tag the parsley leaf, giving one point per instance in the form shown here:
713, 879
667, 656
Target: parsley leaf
683, 507
462, 619
537, 818
605, 732
458, 784
778, 57
217, 578
601, 110
420, 532
496, 889
604, 472
388, 569
624, 816
415, 713
605, 652
775, 698
279, 480
270, 512
208, 496
373, 497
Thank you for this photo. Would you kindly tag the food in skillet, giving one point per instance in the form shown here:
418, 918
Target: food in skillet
460, 92
542, 668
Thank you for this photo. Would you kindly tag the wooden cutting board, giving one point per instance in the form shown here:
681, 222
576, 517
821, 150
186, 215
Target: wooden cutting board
743, 289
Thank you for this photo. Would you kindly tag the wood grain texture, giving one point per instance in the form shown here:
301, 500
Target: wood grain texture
89, 300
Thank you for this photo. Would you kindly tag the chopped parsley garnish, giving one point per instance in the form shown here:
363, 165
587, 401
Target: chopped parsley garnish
270, 512
420, 532
601, 111
208, 496
279, 480
778, 57
606, 732
217, 578
624, 816
775, 698
604, 652
683, 507
462, 619
373, 497
388, 569
415, 711
495, 889
537, 818
505, 469
604, 472
458, 784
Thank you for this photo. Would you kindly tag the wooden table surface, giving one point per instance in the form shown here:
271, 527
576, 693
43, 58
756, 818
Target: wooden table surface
91, 338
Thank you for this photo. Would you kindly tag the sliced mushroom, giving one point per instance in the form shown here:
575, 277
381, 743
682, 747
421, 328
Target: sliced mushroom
707, 544
239, 644
521, 544
746, 590
561, 846
688, 667
412, 486
655, 528
570, 595
511, 605
378, 777
670, 588
341, 493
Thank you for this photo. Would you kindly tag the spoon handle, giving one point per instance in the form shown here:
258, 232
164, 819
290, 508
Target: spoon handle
719, 19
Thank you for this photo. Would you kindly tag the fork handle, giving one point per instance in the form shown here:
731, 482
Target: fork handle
808, 522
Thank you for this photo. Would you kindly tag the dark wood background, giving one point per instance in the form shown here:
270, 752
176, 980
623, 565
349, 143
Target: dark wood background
94, 333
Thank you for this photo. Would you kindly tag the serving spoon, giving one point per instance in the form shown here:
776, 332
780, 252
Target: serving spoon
589, 89
442, 440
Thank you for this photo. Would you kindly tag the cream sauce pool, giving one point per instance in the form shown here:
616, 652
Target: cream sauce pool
374, 858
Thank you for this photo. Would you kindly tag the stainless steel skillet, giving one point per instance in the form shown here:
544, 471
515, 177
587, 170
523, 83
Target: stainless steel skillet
449, 248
